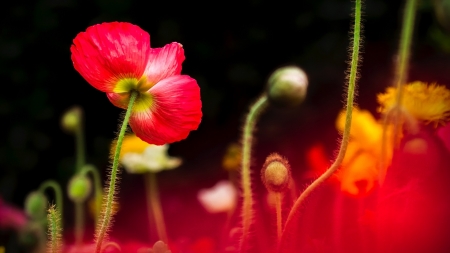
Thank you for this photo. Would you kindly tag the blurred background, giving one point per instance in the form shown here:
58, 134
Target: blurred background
231, 48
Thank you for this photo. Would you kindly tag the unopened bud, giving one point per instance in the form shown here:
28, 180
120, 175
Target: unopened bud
287, 86
276, 173
71, 119
36, 205
79, 188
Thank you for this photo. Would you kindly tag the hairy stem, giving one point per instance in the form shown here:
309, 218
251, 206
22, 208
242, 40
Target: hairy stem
348, 120
54, 231
107, 212
247, 202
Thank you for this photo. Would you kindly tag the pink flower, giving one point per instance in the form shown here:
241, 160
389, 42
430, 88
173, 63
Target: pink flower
11, 217
116, 58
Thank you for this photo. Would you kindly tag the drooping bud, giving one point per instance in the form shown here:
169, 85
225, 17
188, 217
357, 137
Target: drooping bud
36, 205
287, 86
79, 188
72, 119
276, 173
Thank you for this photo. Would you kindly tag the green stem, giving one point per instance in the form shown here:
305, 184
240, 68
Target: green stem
108, 209
54, 230
348, 120
51, 184
247, 202
98, 191
80, 148
79, 223
403, 60
154, 205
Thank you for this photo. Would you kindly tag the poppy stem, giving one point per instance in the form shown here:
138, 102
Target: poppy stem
58, 193
278, 198
247, 202
402, 65
79, 147
352, 78
154, 205
98, 191
107, 210
54, 230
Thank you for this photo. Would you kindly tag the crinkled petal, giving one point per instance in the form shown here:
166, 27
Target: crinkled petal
108, 52
175, 111
164, 62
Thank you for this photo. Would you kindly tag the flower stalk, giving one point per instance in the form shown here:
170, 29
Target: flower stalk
154, 205
107, 212
247, 202
352, 78
51, 184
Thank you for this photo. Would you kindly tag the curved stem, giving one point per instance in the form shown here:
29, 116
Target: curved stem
107, 213
98, 191
154, 205
247, 202
403, 60
51, 184
348, 120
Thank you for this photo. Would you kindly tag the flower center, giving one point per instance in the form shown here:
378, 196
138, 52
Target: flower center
128, 84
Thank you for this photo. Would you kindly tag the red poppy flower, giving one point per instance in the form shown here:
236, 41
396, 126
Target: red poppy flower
116, 58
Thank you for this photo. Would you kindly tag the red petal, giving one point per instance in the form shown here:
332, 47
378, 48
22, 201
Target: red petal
108, 52
175, 112
164, 62
120, 100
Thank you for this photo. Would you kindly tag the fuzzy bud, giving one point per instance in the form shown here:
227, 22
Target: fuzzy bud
71, 119
287, 86
276, 173
36, 205
79, 188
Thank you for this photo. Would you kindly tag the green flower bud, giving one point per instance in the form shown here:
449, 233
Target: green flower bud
79, 188
36, 205
71, 119
287, 86
276, 173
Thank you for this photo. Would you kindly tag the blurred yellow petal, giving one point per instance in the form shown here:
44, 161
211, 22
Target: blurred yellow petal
359, 176
365, 129
429, 103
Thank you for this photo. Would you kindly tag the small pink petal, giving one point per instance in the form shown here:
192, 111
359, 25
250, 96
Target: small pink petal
164, 62
175, 112
11, 217
108, 52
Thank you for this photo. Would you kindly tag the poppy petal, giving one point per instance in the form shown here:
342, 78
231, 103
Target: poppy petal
164, 62
175, 110
109, 52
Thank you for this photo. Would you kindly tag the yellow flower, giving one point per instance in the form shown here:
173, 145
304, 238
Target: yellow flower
429, 103
360, 167
232, 159
137, 156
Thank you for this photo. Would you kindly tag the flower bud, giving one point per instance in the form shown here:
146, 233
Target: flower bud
71, 119
287, 86
36, 205
276, 173
79, 188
